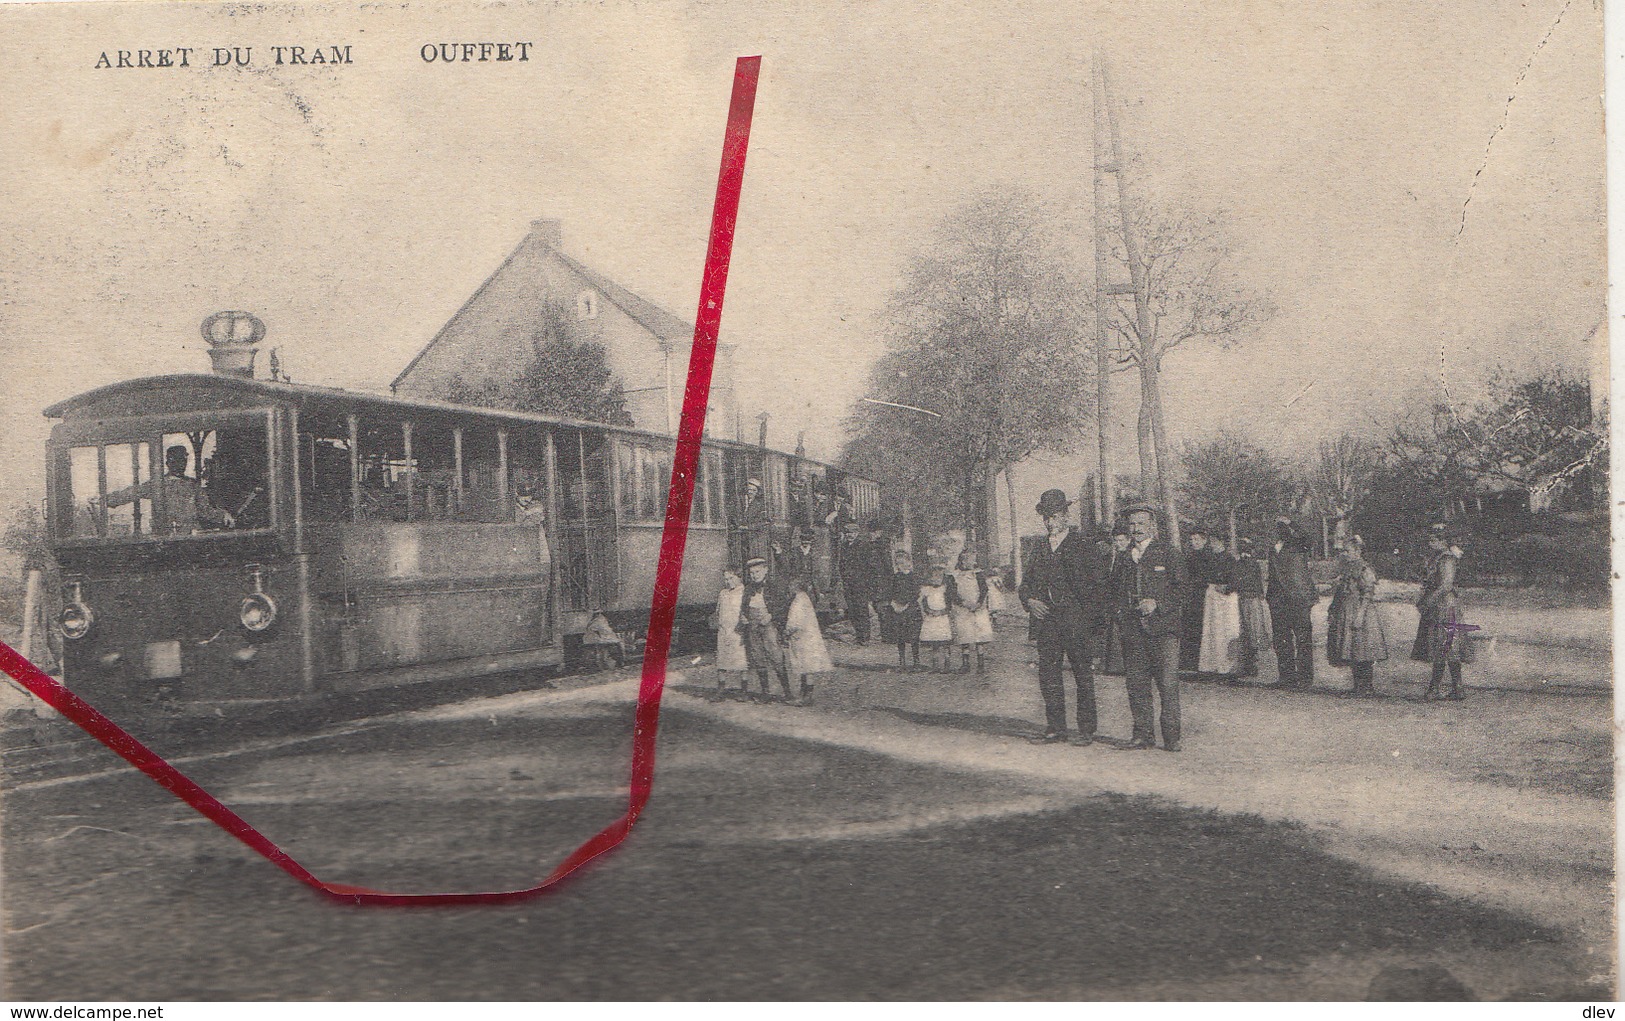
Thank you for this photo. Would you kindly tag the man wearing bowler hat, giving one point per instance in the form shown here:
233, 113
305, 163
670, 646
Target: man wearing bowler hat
1149, 589
1062, 590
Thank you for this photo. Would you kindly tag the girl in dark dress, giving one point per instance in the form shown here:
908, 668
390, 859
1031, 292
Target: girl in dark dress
1440, 632
900, 609
1354, 635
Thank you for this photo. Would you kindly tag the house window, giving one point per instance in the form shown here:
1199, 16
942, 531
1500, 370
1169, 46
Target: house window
587, 305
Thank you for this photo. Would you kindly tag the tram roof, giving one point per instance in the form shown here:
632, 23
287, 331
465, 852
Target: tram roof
307, 395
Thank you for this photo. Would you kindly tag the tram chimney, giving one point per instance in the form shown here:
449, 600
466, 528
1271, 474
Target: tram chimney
233, 342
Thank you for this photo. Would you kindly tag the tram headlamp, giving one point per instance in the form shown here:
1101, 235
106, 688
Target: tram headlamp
75, 621
258, 610
76, 618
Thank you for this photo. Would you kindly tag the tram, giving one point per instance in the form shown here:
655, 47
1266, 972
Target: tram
226, 538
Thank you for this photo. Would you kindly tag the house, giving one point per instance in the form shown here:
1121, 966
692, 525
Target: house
647, 346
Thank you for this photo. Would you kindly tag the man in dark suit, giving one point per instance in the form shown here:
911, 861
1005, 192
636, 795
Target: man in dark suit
763, 612
1062, 589
801, 564
865, 568
1291, 596
1148, 592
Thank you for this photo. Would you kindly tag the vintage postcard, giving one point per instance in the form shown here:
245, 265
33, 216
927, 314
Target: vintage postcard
1147, 502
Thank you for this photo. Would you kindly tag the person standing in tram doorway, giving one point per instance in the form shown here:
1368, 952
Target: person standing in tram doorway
532, 513
754, 523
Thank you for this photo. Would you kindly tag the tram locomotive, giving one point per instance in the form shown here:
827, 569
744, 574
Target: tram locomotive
225, 538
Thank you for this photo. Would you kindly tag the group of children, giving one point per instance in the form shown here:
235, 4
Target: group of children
771, 627
941, 609
764, 627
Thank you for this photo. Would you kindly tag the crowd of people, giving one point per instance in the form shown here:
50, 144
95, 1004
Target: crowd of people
1211, 613
1122, 601
768, 625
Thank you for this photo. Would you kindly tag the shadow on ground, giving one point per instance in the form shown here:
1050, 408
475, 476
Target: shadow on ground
710, 900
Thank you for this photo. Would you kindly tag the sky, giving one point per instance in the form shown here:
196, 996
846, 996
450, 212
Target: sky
354, 208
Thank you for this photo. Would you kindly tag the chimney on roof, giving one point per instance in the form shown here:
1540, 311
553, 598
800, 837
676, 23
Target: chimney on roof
233, 342
551, 232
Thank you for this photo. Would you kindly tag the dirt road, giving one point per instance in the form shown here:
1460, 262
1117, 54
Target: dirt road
899, 839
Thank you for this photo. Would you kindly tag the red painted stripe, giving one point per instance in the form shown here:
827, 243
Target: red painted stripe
662, 612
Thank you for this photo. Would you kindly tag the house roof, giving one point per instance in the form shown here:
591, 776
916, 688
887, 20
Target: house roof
650, 316
663, 324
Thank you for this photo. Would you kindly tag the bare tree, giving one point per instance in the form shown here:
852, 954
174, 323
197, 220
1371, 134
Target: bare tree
1341, 478
1177, 263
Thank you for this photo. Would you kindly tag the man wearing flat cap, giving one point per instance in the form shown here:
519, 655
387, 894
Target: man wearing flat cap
763, 614
753, 524
1149, 590
1062, 589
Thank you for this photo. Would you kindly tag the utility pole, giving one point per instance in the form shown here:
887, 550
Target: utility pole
1154, 455
1105, 164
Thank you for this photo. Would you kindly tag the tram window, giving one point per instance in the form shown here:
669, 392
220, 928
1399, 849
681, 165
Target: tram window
656, 483
84, 492
384, 467
482, 493
777, 482
435, 490
213, 480
710, 487
230, 466
645, 475
129, 470
324, 465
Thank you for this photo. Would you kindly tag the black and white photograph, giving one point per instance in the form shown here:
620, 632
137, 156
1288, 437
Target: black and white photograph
725, 501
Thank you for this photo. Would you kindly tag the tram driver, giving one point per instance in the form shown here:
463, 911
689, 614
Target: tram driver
185, 505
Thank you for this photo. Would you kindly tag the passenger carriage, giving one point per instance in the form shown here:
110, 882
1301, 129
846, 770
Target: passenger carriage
374, 541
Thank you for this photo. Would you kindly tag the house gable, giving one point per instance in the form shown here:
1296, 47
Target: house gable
490, 337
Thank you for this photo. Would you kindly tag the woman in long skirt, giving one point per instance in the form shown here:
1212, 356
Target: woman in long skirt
1220, 650
730, 645
807, 654
1197, 559
1354, 635
1256, 638
1440, 633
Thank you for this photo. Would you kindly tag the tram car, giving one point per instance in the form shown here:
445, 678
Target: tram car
225, 538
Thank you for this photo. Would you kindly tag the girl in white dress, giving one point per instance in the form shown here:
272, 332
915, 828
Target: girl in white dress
730, 646
807, 653
997, 599
936, 631
968, 610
